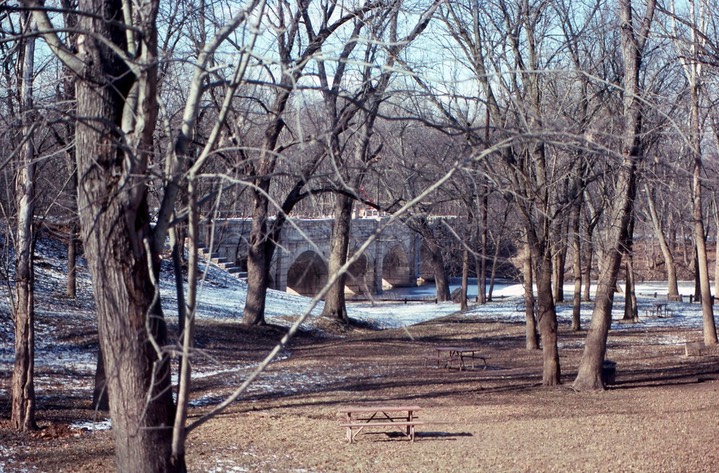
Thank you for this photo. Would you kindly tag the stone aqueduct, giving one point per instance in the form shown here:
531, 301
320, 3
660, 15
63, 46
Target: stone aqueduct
300, 261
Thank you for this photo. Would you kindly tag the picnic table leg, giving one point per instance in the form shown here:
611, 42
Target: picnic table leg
349, 429
462, 365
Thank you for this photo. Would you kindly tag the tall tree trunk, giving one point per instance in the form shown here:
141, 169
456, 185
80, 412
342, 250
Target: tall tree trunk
587, 269
23, 378
441, 280
69, 15
672, 283
541, 254
482, 262
710, 332
116, 229
493, 270
559, 258
261, 244
100, 398
436, 259
259, 256
531, 335
697, 278
577, 265
186, 315
547, 319
630, 294
72, 243
589, 376
693, 70
335, 306
465, 277
592, 221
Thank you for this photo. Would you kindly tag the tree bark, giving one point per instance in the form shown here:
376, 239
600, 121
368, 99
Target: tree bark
441, 280
262, 245
69, 15
630, 294
689, 56
112, 158
588, 257
100, 398
335, 306
259, 256
71, 287
716, 247
551, 373
482, 297
672, 283
465, 277
531, 335
559, 259
577, 265
23, 377
493, 270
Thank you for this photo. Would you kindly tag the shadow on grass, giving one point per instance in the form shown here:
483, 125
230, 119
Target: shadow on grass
418, 436
435, 435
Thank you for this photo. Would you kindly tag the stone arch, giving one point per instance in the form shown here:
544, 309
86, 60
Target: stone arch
356, 281
395, 267
307, 274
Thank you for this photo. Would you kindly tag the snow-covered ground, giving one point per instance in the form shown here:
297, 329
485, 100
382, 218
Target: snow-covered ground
222, 296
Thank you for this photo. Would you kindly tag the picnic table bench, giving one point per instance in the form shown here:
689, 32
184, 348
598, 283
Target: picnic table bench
401, 417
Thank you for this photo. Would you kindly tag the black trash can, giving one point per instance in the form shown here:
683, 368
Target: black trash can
609, 372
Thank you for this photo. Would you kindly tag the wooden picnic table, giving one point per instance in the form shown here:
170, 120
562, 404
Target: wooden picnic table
659, 309
358, 418
459, 355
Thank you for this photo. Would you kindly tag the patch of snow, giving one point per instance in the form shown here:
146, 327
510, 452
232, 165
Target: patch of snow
226, 466
105, 424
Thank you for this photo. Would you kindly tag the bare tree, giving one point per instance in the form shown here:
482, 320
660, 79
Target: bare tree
374, 90
293, 57
577, 20
689, 55
116, 68
633, 40
23, 379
